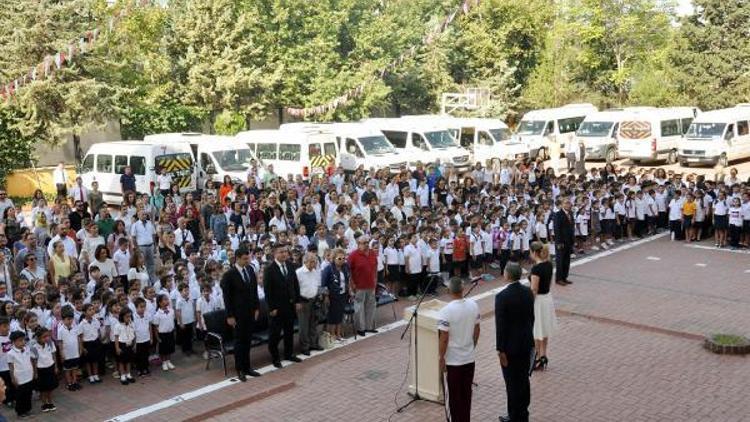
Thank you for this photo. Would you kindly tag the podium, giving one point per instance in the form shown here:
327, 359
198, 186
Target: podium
430, 385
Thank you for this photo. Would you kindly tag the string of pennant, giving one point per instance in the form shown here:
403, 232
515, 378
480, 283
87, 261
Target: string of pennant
52, 63
357, 91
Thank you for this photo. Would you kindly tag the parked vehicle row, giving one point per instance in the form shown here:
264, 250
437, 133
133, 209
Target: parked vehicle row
674, 134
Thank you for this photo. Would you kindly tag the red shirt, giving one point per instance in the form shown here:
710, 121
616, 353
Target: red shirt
460, 245
364, 269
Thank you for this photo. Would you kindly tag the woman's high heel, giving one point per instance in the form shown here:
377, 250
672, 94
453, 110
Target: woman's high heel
543, 361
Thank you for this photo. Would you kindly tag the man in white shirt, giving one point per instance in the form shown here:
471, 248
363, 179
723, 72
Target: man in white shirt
60, 179
70, 244
308, 276
183, 236
458, 328
79, 192
413, 266
143, 233
164, 181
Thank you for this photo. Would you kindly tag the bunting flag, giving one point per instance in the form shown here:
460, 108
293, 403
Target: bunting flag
82, 45
427, 40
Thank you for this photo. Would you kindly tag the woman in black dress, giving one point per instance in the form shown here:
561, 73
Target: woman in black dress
545, 322
335, 279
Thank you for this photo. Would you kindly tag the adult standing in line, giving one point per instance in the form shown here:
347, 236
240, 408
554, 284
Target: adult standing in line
564, 241
458, 328
571, 148
545, 322
308, 276
363, 264
514, 325
144, 233
282, 296
80, 193
127, 181
60, 178
239, 288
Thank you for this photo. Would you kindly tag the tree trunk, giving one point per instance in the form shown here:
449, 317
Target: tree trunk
77, 153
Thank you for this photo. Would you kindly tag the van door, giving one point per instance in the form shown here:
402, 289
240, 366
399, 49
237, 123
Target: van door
108, 183
743, 139
669, 140
87, 170
143, 177
483, 146
317, 161
732, 145
351, 154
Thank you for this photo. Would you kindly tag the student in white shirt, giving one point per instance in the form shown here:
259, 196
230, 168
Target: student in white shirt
21, 372
69, 344
735, 222
164, 321
412, 266
124, 343
392, 268
185, 311
675, 216
90, 328
143, 336
433, 265
121, 259
721, 219
43, 355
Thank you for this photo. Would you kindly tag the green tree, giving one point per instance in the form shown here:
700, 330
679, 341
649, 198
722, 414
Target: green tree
229, 123
18, 150
714, 55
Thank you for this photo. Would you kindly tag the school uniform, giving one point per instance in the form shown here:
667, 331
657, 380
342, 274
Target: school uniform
477, 250
721, 211
142, 326
90, 331
675, 218
23, 372
45, 354
164, 322
5, 347
506, 242
446, 247
735, 226
125, 336
187, 316
71, 354
487, 246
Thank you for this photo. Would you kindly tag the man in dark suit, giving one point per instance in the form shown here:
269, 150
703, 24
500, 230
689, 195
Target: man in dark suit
240, 289
514, 325
564, 226
283, 298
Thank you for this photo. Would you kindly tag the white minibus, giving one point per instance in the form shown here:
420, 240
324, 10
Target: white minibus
717, 137
598, 131
538, 129
654, 134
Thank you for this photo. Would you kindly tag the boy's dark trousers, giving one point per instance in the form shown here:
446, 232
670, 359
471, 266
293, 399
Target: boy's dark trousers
141, 356
23, 398
504, 258
10, 390
186, 338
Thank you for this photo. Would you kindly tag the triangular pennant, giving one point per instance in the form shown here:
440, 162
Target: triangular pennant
71, 51
47, 64
58, 60
33, 73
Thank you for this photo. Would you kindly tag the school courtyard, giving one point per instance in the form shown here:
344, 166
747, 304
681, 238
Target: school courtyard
629, 348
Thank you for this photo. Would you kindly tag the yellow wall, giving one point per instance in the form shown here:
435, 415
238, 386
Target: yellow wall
23, 183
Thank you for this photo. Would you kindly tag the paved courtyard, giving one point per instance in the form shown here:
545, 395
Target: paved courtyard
628, 349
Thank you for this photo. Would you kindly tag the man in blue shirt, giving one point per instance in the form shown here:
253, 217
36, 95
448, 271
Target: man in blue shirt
127, 181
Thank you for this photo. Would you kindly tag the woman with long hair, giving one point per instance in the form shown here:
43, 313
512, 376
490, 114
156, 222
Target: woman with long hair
545, 321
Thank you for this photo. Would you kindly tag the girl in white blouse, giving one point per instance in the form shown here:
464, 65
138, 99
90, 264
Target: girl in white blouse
124, 340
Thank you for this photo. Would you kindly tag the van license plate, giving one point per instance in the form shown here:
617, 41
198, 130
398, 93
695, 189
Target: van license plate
693, 160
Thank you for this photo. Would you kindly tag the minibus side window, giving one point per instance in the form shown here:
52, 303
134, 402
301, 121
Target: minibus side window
104, 163
742, 128
730, 133
138, 164
419, 142
267, 151
313, 150
121, 161
670, 127
686, 124
289, 152
88, 164
485, 138
329, 148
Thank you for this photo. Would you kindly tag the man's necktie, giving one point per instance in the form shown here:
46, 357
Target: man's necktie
245, 275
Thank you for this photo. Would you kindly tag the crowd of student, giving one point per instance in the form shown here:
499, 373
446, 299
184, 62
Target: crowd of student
87, 289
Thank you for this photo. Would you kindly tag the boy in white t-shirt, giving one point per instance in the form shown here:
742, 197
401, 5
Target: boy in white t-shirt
185, 310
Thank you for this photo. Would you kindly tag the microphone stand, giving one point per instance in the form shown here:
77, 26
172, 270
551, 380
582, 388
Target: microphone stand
474, 283
413, 321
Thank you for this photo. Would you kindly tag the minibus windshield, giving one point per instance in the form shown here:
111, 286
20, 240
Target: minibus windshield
531, 127
440, 139
233, 160
500, 135
376, 145
705, 130
595, 129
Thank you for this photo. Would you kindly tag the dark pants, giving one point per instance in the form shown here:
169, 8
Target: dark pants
62, 189
23, 398
448, 265
675, 226
562, 261
735, 232
458, 391
141, 356
517, 387
242, 334
186, 338
283, 321
662, 220
504, 258
413, 283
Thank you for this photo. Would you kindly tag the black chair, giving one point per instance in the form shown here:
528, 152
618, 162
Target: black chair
384, 297
219, 341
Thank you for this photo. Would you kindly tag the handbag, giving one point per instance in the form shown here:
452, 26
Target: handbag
325, 340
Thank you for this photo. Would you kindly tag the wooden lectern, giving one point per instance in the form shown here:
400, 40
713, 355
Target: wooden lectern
430, 385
